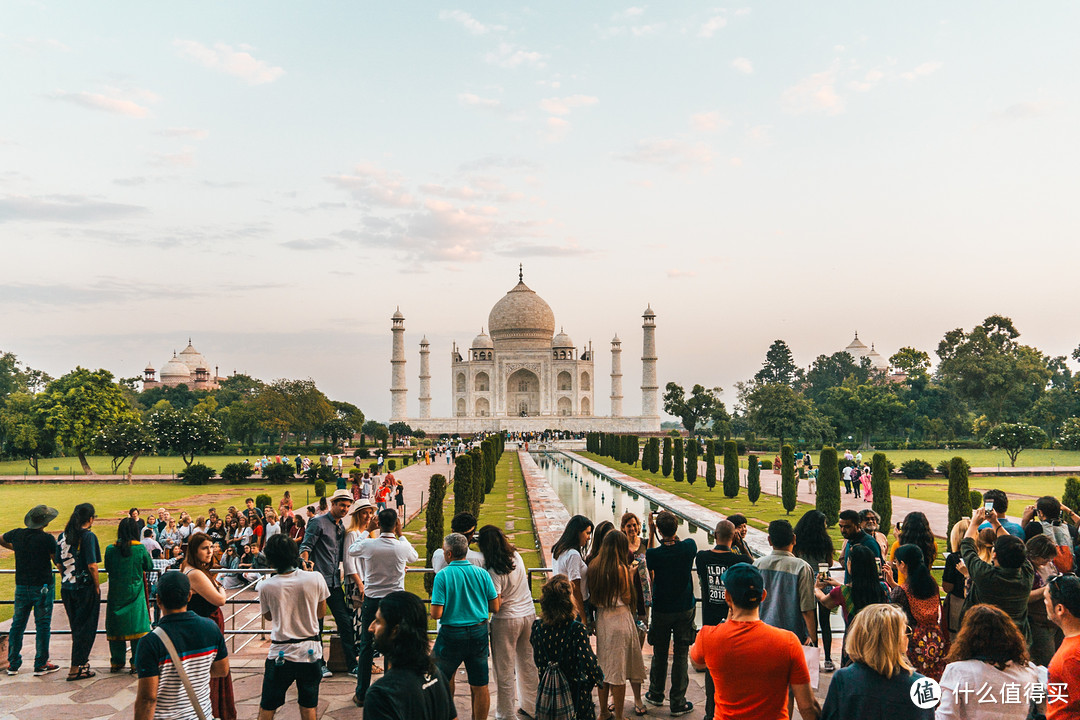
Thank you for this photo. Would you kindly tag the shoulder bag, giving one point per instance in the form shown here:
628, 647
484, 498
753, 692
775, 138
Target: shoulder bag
164, 637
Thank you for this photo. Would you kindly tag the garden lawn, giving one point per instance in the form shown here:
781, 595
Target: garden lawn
759, 515
976, 458
111, 502
506, 501
936, 489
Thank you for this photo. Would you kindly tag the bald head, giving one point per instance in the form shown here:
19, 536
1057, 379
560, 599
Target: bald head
725, 531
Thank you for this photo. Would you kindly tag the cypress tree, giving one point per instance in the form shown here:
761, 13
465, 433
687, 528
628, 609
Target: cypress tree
959, 500
463, 492
788, 488
731, 469
433, 523
635, 449
655, 456
478, 481
753, 479
678, 466
879, 485
691, 459
488, 448
828, 485
667, 457
710, 464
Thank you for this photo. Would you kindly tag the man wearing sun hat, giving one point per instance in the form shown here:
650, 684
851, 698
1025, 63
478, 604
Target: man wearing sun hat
772, 656
323, 550
35, 588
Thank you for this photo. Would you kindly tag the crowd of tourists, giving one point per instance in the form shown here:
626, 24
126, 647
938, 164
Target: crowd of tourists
999, 638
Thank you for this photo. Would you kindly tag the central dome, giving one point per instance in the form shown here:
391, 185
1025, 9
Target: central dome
521, 314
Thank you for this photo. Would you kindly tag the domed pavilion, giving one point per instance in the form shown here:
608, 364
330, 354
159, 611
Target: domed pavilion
189, 367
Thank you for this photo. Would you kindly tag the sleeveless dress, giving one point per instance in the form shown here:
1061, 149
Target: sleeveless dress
221, 689
617, 646
927, 647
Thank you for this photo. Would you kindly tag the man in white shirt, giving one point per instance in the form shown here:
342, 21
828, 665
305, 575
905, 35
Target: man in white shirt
465, 524
383, 560
293, 600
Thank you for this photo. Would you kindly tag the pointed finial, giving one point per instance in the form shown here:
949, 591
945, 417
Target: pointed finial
856, 334
521, 272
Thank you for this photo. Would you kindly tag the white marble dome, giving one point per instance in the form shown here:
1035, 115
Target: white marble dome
521, 314
482, 341
175, 368
193, 359
562, 340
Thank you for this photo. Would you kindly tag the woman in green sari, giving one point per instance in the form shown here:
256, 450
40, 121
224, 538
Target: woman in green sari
127, 615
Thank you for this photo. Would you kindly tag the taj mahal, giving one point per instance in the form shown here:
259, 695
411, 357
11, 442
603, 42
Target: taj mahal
522, 376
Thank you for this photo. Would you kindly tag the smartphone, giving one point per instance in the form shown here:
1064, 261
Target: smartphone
877, 560
988, 506
823, 571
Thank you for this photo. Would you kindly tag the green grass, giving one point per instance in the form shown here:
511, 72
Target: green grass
759, 515
935, 489
111, 502
150, 465
976, 458
506, 501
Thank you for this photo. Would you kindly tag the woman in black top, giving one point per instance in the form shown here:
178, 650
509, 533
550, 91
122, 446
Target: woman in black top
207, 599
814, 545
560, 641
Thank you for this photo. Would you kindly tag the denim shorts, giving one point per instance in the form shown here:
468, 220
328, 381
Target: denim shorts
469, 645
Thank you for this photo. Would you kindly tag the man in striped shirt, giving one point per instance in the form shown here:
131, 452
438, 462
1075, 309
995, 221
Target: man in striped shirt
200, 646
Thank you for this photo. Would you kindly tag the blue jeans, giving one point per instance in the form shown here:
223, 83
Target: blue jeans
40, 600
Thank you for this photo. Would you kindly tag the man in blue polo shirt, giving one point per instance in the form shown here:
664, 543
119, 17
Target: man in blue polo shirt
461, 598
1001, 504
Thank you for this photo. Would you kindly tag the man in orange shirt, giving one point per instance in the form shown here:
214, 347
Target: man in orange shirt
771, 656
1063, 686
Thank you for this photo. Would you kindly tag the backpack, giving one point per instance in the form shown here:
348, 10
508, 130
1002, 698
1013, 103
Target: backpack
553, 698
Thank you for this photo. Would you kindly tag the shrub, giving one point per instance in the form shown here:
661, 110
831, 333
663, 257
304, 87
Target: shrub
433, 523
691, 460
196, 474
236, 473
765, 464
391, 465
710, 464
278, 473
976, 499
405, 461
959, 497
320, 488
666, 465
362, 453
463, 479
679, 462
1071, 497
263, 501
828, 485
356, 474
731, 469
879, 485
753, 479
916, 469
1070, 434
788, 488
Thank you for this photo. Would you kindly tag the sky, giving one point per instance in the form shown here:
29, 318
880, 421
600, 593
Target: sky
273, 179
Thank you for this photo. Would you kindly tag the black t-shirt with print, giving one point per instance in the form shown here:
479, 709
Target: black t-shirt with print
407, 695
711, 566
34, 551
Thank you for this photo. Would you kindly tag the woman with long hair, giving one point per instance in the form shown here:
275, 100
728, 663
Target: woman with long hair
867, 484
127, 615
631, 528
207, 599
297, 528
568, 559
814, 545
919, 598
242, 536
78, 556
597, 539
560, 643
285, 507
865, 588
611, 590
915, 530
1045, 635
989, 651
170, 536
511, 626
954, 579
877, 685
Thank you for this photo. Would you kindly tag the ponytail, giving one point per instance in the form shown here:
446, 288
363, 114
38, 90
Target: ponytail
919, 580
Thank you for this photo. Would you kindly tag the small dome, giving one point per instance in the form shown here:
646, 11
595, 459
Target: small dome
193, 358
615, 340
482, 341
175, 368
856, 344
878, 362
649, 312
521, 314
562, 340
149, 368
397, 315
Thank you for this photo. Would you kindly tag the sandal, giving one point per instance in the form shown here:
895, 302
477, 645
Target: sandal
641, 711
375, 669
82, 673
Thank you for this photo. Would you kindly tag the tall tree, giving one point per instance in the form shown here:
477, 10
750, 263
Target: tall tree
78, 406
1013, 438
775, 410
463, 480
828, 485
694, 411
22, 431
882, 490
753, 479
433, 524
710, 464
128, 437
691, 459
959, 497
910, 361
679, 461
830, 371
186, 432
666, 465
731, 469
788, 487
779, 366
399, 429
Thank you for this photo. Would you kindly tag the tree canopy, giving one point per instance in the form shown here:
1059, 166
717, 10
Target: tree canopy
78, 406
702, 406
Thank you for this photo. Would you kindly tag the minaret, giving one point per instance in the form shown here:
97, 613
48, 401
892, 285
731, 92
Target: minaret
648, 364
425, 380
616, 377
398, 392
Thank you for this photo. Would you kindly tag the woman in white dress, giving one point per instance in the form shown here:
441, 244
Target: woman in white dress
567, 558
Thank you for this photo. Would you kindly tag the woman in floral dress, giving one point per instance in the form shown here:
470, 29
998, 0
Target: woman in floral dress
558, 637
920, 599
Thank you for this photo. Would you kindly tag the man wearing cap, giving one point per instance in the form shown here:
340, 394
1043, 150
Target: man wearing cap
1062, 600
35, 588
383, 560
323, 550
773, 657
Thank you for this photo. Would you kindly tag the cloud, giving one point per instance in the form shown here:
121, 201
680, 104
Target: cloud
312, 244
224, 58
106, 103
759, 135
1029, 109
468, 22
489, 162
742, 11
743, 65
455, 193
633, 11
681, 273
35, 43
814, 94
709, 28
372, 185
563, 106
673, 154
183, 158
570, 249
557, 128
193, 133
112, 290
869, 81
511, 56
706, 122
63, 209
477, 101
927, 68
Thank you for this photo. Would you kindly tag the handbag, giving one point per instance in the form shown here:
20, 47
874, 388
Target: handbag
164, 637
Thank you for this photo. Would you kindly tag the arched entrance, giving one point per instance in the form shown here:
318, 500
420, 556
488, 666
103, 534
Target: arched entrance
523, 394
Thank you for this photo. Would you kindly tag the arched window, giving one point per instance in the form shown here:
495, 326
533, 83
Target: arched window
564, 407
461, 382
523, 386
483, 407
461, 407
481, 382
585, 381
586, 407
565, 381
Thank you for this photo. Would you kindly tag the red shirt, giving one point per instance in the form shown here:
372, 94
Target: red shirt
772, 657
1065, 668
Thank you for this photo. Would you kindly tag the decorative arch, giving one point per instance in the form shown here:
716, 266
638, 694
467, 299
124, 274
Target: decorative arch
523, 393
481, 383
460, 383
585, 381
565, 382
586, 406
564, 407
483, 407
461, 407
